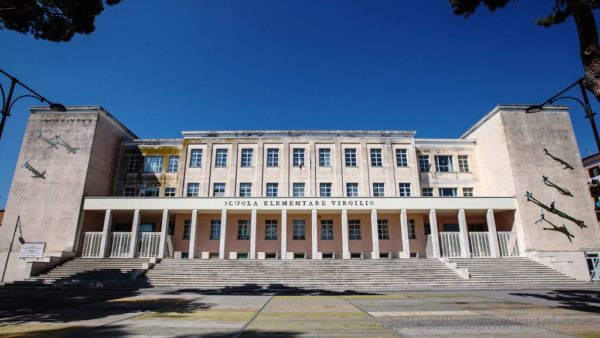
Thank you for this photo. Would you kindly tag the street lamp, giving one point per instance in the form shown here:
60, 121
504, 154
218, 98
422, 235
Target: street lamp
8, 101
589, 114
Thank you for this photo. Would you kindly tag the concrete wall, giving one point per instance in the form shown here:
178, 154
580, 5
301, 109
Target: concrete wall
49, 206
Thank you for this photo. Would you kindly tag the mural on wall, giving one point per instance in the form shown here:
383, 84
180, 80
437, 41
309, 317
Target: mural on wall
563, 229
36, 173
552, 206
57, 141
52, 144
561, 190
567, 165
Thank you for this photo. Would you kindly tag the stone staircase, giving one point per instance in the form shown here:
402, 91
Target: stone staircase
514, 273
303, 275
306, 276
91, 272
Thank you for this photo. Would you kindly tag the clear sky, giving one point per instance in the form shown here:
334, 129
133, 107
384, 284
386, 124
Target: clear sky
166, 66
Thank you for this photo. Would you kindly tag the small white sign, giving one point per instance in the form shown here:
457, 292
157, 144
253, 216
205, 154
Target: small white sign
32, 250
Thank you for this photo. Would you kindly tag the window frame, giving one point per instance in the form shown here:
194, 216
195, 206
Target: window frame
173, 165
354, 230
295, 189
353, 185
404, 189
350, 158
327, 230
325, 189
221, 190
246, 188
376, 156
243, 233
383, 231
215, 230
429, 192
187, 229
196, 158
441, 191
463, 164
144, 191
170, 191
191, 185
441, 167
272, 157
377, 186
325, 157
272, 189
467, 191
424, 163
298, 157
133, 164
246, 158
271, 230
153, 168
401, 157
412, 232
297, 225
221, 157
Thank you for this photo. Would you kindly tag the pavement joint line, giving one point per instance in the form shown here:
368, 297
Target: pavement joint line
368, 314
239, 333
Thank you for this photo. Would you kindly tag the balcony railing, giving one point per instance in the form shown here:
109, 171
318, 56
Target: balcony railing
479, 244
508, 244
149, 244
450, 244
91, 245
119, 246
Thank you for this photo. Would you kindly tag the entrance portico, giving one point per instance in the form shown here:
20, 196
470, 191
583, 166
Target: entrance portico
261, 229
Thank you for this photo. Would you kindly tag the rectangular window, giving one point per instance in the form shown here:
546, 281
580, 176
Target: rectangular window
129, 192
404, 189
352, 189
187, 224
463, 163
447, 192
153, 164
170, 192
245, 189
401, 158
221, 158
468, 192
298, 189
376, 159
149, 191
298, 159
299, 229
427, 192
196, 158
451, 228
443, 164
193, 189
219, 189
325, 189
272, 157
271, 229
173, 164
134, 164
350, 156
246, 160
354, 229
243, 232
382, 229
378, 190
324, 157
594, 171
215, 229
412, 234
272, 189
326, 229
424, 165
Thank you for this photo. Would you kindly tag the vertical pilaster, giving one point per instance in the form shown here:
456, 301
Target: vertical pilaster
105, 232
223, 234
345, 247
163, 233
192, 249
492, 233
135, 227
283, 234
464, 234
374, 235
404, 233
314, 234
253, 234
435, 235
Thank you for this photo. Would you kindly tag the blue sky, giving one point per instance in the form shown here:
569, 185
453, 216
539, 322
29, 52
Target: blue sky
166, 66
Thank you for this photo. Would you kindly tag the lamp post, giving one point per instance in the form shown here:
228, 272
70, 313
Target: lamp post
8, 101
589, 114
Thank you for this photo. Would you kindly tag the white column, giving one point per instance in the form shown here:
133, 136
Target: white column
404, 233
435, 235
135, 227
192, 248
464, 234
492, 233
283, 234
105, 232
223, 234
314, 234
345, 247
163, 233
374, 235
253, 235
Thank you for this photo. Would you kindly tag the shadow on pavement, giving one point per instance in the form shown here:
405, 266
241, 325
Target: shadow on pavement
256, 289
579, 300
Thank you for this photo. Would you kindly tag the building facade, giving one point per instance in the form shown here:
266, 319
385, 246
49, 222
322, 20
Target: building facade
87, 186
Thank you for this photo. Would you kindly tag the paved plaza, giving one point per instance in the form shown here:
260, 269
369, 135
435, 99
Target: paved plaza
188, 313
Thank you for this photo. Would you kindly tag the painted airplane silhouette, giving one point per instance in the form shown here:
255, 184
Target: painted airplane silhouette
567, 165
60, 141
53, 144
35, 172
